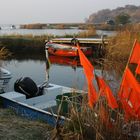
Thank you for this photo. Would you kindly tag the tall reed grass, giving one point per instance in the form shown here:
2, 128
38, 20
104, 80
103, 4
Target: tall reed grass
90, 32
119, 47
99, 123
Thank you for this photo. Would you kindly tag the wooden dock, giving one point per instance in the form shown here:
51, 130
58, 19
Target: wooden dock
81, 40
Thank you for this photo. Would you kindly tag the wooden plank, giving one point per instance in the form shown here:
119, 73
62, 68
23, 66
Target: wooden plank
81, 40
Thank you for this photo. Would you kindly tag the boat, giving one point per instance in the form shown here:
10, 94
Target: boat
5, 77
13, 27
61, 60
66, 50
45, 105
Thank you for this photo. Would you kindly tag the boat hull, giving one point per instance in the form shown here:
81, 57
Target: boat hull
31, 112
44, 107
66, 50
69, 53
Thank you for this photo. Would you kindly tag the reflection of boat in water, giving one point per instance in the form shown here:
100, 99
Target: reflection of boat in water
66, 50
64, 60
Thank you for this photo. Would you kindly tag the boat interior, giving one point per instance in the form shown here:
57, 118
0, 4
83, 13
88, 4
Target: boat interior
53, 96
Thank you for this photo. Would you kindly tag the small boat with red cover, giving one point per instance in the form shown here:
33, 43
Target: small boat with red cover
66, 50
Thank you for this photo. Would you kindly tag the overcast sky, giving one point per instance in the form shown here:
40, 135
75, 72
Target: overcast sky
54, 11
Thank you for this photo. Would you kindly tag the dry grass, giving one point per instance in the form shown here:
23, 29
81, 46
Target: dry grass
119, 47
99, 123
4, 53
13, 127
90, 32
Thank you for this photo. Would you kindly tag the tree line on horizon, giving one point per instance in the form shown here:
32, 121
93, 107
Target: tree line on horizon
120, 15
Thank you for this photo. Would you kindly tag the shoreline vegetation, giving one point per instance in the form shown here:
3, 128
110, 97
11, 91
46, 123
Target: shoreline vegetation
120, 46
123, 40
35, 44
81, 26
101, 128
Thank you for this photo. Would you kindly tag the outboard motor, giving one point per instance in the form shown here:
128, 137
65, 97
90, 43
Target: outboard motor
28, 87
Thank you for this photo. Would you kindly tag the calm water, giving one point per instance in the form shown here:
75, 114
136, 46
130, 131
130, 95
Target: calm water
6, 30
65, 75
36, 69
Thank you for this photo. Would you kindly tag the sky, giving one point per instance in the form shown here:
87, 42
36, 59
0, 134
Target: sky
54, 11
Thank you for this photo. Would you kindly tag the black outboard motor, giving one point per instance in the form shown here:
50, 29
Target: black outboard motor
28, 87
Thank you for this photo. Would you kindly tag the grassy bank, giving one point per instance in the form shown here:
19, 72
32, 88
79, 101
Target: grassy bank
35, 45
22, 45
13, 127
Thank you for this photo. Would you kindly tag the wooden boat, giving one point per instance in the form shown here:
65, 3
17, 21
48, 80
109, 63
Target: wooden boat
44, 107
66, 50
5, 77
64, 60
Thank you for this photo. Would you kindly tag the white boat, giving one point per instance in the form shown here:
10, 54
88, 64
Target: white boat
45, 106
5, 77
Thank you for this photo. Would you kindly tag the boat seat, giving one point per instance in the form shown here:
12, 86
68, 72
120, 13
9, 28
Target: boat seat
14, 95
46, 104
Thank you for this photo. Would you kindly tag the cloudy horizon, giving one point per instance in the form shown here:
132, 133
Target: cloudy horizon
52, 11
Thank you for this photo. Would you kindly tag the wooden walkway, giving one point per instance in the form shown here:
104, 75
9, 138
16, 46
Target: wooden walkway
81, 40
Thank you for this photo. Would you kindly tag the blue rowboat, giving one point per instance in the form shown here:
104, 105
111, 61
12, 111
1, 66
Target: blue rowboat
44, 107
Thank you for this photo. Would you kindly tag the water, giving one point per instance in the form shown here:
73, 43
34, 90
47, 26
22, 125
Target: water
6, 30
36, 69
108, 33
61, 74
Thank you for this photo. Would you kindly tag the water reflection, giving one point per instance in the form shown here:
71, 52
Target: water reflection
36, 69
67, 61
63, 71
25, 68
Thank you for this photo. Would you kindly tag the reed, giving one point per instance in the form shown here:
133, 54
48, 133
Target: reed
99, 123
4, 54
118, 49
90, 32
25, 45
